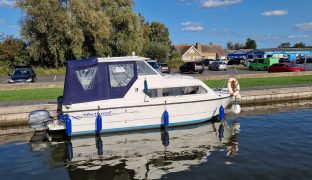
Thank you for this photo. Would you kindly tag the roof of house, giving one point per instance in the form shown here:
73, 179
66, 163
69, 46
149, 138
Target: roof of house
212, 49
228, 51
181, 48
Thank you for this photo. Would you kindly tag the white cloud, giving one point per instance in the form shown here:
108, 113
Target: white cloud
189, 26
275, 13
2, 21
304, 26
302, 36
217, 3
7, 3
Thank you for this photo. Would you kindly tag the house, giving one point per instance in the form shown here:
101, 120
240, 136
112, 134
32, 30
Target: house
246, 54
211, 51
199, 52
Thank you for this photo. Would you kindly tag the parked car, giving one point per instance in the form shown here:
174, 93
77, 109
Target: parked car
207, 62
154, 65
164, 68
282, 67
218, 66
262, 63
247, 62
306, 63
22, 74
191, 67
234, 62
284, 60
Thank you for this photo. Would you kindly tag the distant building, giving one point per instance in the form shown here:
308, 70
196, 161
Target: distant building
290, 53
200, 52
246, 54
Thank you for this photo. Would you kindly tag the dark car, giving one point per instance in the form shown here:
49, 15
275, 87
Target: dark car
164, 68
284, 60
234, 62
191, 67
282, 67
23, 74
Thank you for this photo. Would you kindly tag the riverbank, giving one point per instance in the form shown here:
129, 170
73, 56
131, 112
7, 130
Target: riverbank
16, 113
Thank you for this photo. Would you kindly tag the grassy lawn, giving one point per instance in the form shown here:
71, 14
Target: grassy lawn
53, 93
268, 81
30, 94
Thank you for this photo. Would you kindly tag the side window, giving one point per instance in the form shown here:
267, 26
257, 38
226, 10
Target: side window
260, 60
144, 69
176, 91
120, 74
309, 60
86, 77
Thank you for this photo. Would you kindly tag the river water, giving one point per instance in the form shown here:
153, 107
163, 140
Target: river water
271, 143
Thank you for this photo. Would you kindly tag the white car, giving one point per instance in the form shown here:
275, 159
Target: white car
306, 63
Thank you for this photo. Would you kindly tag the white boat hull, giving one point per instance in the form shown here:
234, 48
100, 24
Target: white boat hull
144, 117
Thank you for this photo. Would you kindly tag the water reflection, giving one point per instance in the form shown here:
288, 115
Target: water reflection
138, 155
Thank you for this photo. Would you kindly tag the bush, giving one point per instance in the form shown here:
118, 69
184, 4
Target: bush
175, 63
5, 69
50, 71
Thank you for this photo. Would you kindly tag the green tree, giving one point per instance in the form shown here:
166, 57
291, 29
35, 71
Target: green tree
229, 46
13, 51
284, 45
299, 45
251, 44
238, 46
160, 34
58, 30
127, 35
157, 51
175, 55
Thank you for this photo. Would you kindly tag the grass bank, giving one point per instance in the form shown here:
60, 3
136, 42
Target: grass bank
53, 93
268, 81
30, 94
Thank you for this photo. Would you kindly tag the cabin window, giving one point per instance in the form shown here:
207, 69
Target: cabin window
86, 77
175, 91
120, 74
144, 69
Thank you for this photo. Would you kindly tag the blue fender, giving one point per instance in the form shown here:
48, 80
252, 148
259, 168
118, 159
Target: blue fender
98, 123
221, 113
165, 118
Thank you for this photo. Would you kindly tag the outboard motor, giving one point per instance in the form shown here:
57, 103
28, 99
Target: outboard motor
37, 119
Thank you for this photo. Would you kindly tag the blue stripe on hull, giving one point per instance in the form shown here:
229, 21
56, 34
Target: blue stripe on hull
142, 127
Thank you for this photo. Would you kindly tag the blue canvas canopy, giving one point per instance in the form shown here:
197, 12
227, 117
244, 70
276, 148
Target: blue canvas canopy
88, 80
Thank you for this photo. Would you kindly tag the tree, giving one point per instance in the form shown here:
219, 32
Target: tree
251, 44
229, 46
157, 51
60, 30
127, 34
13, 51
299, 45
238, 46
284, 45
159, 33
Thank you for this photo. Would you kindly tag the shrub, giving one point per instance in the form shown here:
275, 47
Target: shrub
175, 63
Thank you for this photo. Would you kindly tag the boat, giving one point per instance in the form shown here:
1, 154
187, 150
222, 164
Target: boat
125, 93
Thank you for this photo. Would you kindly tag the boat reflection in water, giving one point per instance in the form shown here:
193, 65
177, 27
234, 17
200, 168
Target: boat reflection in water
146, 154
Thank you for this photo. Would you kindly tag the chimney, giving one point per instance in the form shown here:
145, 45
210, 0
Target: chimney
198, 47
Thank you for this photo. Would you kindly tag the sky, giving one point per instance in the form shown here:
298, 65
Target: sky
269, 22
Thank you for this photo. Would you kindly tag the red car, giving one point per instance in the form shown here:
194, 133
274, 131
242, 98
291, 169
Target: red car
281, 67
